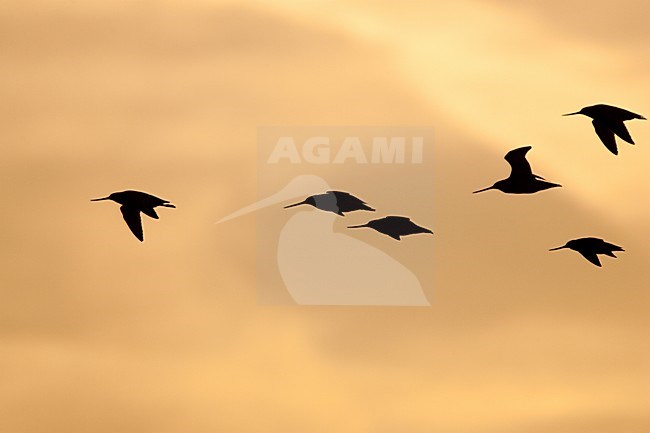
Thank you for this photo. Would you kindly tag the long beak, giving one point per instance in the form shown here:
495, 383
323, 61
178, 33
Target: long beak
296, 204
571, 114
558, 248
357, 227
484, 189
100, 199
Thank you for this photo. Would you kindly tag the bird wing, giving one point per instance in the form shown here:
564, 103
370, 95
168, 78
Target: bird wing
619, 129
606, 135
346, 202
339, 193
390, 226
150, 212
408, 227
132, 218
591, 256
342, 195
518, 163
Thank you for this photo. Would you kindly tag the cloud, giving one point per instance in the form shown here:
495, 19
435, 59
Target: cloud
103, 333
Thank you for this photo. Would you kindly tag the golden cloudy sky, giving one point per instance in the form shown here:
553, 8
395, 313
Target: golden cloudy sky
100, 333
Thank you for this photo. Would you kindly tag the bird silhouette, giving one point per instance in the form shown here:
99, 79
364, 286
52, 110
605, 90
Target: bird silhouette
608, 122
521, 179
394, 226
590, 248
319, 266
134, 202
338, 202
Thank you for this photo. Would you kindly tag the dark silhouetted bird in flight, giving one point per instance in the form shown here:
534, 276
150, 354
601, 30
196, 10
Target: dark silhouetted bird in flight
521, 179
134, 202
608, 122
394, 226
338, 202
590, 248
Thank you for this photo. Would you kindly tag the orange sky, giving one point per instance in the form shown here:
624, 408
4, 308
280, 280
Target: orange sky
101, 333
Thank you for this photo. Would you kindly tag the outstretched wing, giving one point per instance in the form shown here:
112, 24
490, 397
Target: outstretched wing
346, 202
343, 194
132, 218
408, 227
591, 256
606, 135
619, 129
397, 226
150, 212
518, 163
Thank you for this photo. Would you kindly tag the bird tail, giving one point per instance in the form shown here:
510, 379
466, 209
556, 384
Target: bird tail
615, 247
548, 185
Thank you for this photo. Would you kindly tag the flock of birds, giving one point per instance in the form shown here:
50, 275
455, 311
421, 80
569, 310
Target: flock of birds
608, 122
340, 202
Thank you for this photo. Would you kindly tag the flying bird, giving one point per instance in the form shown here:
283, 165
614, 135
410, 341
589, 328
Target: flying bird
134, 202
608, 122
394, 226
308, 248
590, 248
521, 179
338, 202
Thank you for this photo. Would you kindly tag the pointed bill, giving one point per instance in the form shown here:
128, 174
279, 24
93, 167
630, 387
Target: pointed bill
484, 189
296, 204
